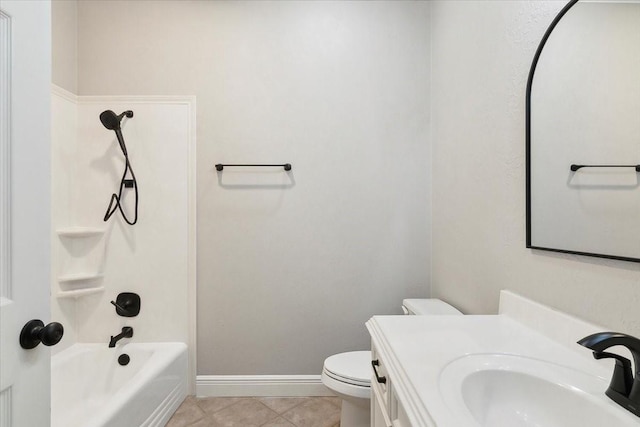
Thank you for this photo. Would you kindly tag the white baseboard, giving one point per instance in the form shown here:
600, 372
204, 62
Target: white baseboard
260, 385
163, 413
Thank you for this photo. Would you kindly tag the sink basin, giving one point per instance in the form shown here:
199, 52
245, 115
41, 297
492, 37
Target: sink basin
497, 390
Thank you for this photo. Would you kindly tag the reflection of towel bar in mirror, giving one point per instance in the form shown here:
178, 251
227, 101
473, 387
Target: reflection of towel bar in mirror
220, 166
577, 121
576, 167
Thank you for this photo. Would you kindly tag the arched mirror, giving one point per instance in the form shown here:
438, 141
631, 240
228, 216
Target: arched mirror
583, 132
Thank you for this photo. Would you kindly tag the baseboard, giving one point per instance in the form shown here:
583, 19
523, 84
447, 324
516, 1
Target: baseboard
168, 407
260, 385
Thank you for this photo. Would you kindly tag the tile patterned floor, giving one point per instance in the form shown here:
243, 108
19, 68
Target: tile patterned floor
257, 412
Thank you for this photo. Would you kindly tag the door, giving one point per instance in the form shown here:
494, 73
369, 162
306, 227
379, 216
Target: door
25, 79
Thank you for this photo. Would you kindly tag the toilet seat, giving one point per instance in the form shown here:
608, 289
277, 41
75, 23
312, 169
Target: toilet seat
348, 392
351, 368
349, 381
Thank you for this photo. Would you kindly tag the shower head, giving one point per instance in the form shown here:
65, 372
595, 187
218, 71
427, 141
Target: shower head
112, 121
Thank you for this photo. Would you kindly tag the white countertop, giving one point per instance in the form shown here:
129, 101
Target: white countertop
416, 349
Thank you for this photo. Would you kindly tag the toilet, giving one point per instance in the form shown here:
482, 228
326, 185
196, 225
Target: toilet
422, 307
348, 375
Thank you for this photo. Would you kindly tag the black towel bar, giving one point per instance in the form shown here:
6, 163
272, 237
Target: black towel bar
220, 166
576, 167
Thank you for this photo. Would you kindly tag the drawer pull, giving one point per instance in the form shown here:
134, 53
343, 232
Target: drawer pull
381, 380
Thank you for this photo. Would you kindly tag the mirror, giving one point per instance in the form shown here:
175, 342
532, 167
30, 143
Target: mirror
583, 109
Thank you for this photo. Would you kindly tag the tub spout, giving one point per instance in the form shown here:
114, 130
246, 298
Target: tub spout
127, 332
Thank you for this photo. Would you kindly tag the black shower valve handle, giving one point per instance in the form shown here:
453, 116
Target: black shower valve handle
127, 304
119, 306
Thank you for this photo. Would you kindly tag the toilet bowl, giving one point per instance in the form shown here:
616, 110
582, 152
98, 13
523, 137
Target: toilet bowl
348, 375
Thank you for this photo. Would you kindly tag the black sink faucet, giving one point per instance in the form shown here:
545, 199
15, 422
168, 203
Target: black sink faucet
624, 388
127, 332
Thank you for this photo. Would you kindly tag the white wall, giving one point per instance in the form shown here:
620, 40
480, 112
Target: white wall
481, 54
290, 266
64, 44
154, 258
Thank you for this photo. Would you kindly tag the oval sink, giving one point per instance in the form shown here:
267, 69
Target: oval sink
495, 390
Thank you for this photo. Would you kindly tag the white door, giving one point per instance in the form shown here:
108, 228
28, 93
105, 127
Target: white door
25, 79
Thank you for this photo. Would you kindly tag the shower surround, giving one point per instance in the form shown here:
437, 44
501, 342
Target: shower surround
92, 260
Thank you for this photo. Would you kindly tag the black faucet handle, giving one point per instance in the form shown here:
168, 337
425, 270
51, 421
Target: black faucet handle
127, 304
622, 379
119, 306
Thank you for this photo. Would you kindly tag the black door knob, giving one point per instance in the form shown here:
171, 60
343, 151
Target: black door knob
34, 333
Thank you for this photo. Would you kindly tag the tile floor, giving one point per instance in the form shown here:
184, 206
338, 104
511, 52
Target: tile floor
257, 412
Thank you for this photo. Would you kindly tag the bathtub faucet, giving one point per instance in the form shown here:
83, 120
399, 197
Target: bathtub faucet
127, 332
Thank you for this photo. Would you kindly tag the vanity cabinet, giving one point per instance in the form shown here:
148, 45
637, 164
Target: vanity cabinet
380, 385
379, 414
399, 416
515, 368
386, 409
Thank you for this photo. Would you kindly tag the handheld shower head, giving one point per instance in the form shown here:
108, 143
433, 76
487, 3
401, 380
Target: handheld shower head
112, 121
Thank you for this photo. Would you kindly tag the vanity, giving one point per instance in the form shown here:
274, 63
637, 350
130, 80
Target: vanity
519, 368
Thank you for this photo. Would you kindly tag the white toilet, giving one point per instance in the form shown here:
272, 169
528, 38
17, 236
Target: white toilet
348, 375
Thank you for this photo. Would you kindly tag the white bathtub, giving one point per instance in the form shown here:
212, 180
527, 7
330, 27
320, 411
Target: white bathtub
89, 388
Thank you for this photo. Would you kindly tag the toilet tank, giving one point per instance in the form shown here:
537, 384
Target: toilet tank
428, 306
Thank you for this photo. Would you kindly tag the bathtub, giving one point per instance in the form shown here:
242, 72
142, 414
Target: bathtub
89, 388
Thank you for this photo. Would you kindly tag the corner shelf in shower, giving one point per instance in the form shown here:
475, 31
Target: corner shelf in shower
79, 242
79, 231
82, 277
76, 293
78, 285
